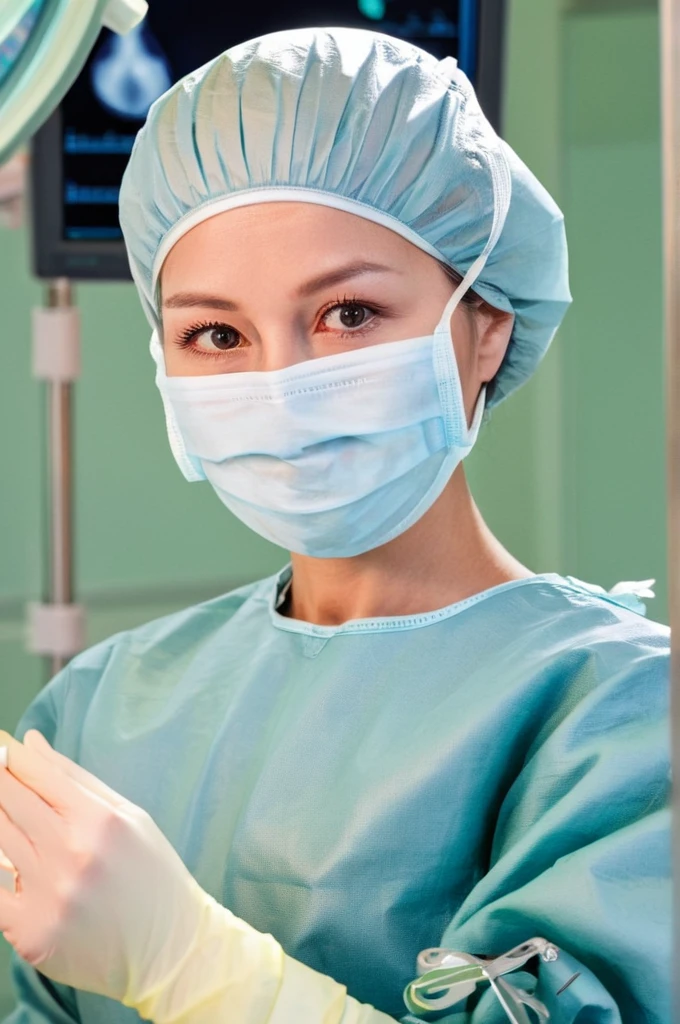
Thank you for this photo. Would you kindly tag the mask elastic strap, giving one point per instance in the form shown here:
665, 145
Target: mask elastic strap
444, 357
502, 187
477, 416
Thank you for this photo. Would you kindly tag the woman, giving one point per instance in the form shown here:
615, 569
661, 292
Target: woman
406, 739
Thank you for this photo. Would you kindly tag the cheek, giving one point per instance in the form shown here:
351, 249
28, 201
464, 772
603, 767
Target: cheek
462, 331
168, 353
176, 362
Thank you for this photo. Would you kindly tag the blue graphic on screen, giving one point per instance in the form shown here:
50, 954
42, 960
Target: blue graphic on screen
106, 106
373, 9
129, 72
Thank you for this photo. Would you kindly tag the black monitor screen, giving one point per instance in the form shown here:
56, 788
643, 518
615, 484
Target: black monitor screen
95, 127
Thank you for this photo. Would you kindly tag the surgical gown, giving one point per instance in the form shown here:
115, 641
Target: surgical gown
466, 778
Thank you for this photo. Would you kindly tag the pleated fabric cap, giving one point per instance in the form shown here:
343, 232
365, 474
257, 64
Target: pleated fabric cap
366, 123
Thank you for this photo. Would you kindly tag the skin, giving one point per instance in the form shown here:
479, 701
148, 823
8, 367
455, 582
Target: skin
258, 259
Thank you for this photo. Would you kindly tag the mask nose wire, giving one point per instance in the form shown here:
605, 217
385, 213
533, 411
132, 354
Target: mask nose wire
501, 184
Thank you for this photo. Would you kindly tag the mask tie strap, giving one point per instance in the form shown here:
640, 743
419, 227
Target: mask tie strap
502, 187
446, 369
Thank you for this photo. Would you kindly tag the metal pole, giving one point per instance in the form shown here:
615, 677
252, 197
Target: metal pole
56, 626
59, 454
670, 121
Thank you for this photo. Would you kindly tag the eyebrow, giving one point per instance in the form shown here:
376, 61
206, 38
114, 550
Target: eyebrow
186, 299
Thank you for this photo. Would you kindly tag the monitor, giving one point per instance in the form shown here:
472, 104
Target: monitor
80, 153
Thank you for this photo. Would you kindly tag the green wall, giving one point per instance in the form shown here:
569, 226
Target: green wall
569, 473
515, 468
612, 346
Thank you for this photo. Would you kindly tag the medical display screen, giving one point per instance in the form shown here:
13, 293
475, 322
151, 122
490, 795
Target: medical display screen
108, 103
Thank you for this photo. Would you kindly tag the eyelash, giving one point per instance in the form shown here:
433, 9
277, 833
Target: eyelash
186, 337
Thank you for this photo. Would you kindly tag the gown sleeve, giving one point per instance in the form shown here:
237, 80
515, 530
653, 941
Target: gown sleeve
581, 853
39, 1000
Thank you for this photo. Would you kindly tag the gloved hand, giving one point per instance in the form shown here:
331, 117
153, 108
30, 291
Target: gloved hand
105, 904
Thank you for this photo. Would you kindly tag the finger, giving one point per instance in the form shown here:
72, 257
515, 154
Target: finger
26, 809
8, 873
8, 912
19, 852
7, 743
38, 774
35, 740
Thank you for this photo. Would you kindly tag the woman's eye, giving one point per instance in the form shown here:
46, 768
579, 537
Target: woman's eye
348, 316
210, 340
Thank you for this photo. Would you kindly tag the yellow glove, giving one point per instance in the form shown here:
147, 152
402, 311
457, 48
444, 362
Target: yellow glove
104, 903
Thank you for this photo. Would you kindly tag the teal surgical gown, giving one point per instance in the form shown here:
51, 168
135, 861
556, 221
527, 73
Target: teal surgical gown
466, 778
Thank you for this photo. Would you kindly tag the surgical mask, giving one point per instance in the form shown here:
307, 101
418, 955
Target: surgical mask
333, 456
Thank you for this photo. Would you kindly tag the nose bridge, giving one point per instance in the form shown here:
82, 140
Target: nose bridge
283, 342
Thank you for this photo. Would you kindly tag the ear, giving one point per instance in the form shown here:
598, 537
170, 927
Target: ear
494, 330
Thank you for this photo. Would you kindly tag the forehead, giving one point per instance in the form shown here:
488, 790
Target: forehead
291, 238
289, 224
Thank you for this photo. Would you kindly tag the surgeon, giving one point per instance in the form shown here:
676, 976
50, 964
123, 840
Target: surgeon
407, 778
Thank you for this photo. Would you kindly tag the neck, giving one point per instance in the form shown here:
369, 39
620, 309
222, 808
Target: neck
448, 555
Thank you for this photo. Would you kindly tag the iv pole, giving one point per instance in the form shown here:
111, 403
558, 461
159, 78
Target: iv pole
670, 122
56, 626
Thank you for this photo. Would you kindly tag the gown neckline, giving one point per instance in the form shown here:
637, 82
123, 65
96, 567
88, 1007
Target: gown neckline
393, 623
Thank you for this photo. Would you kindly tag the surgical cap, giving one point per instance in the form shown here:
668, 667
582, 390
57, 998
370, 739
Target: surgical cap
362, 122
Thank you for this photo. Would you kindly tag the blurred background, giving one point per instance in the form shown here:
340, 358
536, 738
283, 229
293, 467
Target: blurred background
569, 473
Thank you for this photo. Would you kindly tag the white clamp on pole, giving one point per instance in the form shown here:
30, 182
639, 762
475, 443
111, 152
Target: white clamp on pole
56, 628
122, 16
56, 344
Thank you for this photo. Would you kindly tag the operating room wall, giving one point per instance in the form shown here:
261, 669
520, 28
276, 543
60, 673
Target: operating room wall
569, 473
612, 345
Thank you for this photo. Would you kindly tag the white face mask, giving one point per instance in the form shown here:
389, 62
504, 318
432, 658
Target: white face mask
333, 456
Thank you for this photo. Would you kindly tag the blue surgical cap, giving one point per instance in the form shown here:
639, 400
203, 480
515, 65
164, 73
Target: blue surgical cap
362, 122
